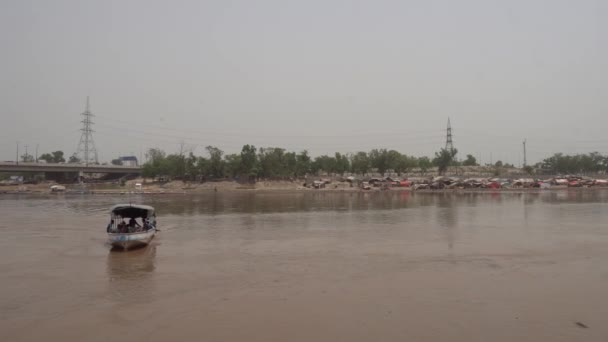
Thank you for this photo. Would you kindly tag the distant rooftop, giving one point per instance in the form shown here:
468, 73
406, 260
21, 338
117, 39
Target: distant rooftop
128, 158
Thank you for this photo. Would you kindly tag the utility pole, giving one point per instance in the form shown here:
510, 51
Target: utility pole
17, 154
525, 161
519, 160
26, 155
36, 153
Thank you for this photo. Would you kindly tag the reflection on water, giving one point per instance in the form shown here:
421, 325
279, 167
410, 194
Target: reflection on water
130, 274
447, 218
222, 203
305, 201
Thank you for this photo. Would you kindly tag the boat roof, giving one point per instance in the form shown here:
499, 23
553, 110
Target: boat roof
136, 206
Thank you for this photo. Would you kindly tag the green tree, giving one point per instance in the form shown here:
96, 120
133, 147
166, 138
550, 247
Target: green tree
342, 163
117, 161
379, 160
174, 166
27, 158
579, 163
424, 163
409, 162
394, 161
443, 159
155, 155
233, 165
58, 157
291, 164
216, 165
470, 161
156, 164
324, 163
148, 171
74, 159
191, 171
303, 164
360, 163
249, 160
272, 162
54, 157
47, 157
202, 166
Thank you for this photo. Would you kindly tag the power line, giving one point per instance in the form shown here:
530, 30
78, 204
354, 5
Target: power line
175, 140
239, 134
149, 133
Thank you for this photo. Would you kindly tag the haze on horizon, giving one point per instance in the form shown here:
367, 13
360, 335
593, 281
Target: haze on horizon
325, 76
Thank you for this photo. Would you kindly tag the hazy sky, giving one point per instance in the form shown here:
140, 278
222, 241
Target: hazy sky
324, 76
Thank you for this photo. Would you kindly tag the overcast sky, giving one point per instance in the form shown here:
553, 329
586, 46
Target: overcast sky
320, 75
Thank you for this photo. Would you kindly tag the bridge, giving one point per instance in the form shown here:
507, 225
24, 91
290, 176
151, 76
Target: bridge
67, 168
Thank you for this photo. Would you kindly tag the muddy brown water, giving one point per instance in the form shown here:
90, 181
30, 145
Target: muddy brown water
310, 267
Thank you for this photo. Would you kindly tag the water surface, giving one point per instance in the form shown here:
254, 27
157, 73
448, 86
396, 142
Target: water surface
310, 267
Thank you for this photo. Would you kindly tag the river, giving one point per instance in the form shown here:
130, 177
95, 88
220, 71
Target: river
310, 266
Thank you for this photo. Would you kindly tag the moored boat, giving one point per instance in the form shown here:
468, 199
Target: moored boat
57, 188
132, 234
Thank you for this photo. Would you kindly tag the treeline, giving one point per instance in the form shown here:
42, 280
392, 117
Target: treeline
574, 164
52, 157
275, 163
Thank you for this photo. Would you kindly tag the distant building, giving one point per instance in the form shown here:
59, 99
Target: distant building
129, 161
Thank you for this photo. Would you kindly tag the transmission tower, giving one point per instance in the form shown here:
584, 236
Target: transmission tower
86, 147
449, 145
525, 159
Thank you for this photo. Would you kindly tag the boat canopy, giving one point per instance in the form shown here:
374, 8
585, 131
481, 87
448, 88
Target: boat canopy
132, 210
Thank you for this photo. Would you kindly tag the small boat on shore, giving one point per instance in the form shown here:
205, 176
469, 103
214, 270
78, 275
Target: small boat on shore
57, 188
131, 234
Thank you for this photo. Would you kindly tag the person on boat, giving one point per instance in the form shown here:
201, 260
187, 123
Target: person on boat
122, 226
109, 228
133, 225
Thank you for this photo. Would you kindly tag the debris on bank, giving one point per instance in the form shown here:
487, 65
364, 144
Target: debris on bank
442, 182
336, 183
447, 183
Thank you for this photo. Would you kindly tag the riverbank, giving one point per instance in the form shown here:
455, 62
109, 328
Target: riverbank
179, 187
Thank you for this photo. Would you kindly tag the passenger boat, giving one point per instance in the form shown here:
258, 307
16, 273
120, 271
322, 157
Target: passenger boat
129, 234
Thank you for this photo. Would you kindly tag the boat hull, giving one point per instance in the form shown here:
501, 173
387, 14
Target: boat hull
131, 240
